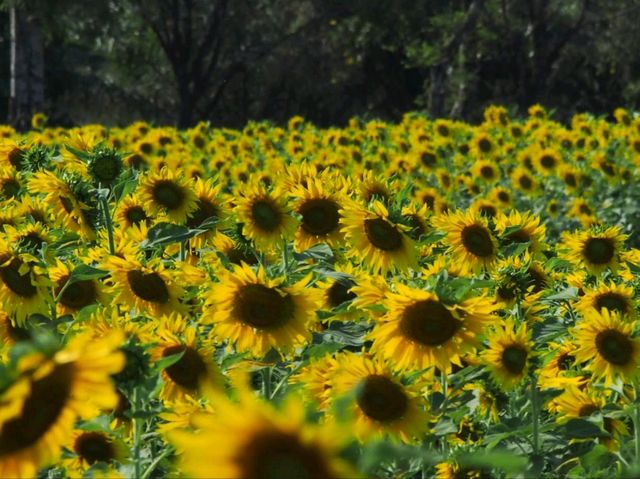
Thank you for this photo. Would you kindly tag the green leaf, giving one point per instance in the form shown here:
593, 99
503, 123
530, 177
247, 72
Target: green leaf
582, 428
81, 155
166, 233
168, 361
500, 459
82, 272
566, 294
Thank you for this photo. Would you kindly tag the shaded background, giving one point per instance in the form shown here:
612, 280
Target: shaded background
231, 61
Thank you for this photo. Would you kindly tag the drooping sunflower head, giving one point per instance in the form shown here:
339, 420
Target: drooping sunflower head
164, 193
469, 239
607, 345
595, 250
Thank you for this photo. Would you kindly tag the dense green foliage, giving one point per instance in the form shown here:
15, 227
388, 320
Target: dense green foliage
231, 61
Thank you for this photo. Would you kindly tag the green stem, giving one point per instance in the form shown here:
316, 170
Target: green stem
535, 415
266, 382
636, 430
137, 436
155, 462
183, 250
104, 202
285, 256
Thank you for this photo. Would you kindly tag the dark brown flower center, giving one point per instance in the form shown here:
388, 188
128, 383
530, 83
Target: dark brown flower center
168, 194
428, 322
514, 358
10, 188
487, 172
77, 295
94, 447
477, 240
206, 209
266, 215
148, 286
381, 399
587, 410
15, 157
135, 215
340, 292
382, 234
612, 301
262, 307
615, 347
274, 454
41, 410
188, 370
319, 216
18, 283
548, 161
599, 250
525, 182
485, 145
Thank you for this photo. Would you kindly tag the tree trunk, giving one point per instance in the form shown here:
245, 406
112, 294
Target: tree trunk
27, 68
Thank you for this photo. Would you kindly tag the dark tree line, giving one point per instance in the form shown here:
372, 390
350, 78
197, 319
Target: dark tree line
230, 61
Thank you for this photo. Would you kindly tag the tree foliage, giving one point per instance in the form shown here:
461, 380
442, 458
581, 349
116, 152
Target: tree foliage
180, 61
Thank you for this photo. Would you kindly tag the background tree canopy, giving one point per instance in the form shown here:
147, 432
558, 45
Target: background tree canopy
230, 61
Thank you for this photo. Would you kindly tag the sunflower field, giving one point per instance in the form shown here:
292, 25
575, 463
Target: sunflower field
414, 300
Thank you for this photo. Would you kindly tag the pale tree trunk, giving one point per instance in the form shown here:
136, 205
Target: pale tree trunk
27, 68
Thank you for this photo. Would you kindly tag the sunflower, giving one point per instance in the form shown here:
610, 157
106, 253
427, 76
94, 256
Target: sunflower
383, 405
251, 439
420, 331
235, 251
24, 286
71, 299
337, 293
547, 160
613, 297
319, 210
486, 170
577, 402
195, 371
518, 228
164, 193
509, 354
130, 212
559, 372
210, 206
482, 145
453, 470
595, 250
606, 343
265, 216
583, 212
11, 183
71, 199
524, 181
376, 239
469, 239
40, 408
257, 314
147, 287
317, 380
94, 447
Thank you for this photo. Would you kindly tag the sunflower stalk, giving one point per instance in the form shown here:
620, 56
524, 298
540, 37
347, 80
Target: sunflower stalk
104, 203
535, 416
183, 250
266, 382
137, 436
636, 430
